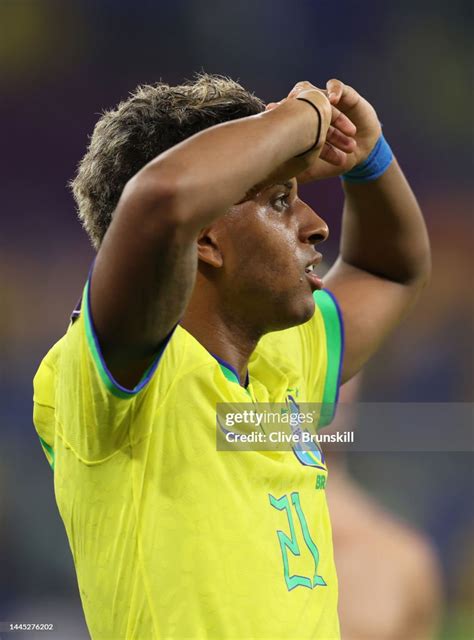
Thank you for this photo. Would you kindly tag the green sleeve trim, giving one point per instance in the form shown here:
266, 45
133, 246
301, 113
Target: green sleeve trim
334, 330
107, 378
49, 452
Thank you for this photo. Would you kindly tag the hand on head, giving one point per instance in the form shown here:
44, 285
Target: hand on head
350, 125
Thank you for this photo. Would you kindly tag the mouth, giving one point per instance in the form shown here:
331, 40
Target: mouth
314, 280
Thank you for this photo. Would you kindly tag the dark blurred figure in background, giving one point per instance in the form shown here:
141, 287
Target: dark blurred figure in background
389, 575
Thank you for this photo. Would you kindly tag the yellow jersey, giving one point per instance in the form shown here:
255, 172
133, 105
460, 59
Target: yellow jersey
170, 537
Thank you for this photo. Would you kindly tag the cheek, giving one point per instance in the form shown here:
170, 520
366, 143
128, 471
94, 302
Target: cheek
268, 247
268, 264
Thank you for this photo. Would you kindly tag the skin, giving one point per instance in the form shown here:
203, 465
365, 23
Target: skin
277, 234
216, 237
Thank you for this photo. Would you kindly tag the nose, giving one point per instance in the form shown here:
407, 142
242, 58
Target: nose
313, 229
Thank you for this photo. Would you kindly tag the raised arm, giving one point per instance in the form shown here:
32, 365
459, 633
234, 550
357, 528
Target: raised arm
384, 257
145, 269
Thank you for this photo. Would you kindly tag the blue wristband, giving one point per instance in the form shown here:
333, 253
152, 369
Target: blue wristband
376, 164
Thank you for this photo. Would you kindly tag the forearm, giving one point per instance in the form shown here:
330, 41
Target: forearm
383, 230
215, 168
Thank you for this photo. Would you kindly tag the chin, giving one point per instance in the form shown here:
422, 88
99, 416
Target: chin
306, 311
298, 312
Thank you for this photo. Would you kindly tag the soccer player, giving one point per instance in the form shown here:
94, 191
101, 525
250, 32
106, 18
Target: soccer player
204, 291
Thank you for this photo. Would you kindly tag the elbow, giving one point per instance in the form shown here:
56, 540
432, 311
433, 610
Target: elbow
424, 261
421, 277
426, 272
415, 262
425, 268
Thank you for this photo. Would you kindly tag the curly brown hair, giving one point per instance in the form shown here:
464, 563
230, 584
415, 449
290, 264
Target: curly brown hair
154, 118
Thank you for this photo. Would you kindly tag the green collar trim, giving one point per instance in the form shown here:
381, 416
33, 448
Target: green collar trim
232, 376
229, 374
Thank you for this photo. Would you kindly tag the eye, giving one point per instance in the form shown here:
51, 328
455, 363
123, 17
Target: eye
282, 202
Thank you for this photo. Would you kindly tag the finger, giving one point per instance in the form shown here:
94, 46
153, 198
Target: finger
334, 88
339, 140
342, 122
347, 97
332, 155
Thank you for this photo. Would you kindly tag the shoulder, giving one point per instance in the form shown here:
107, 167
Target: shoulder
43, 382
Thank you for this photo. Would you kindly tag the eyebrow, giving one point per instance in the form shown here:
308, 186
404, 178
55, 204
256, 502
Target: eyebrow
288, 185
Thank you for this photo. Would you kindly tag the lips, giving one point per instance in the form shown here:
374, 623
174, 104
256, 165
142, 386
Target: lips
314, 280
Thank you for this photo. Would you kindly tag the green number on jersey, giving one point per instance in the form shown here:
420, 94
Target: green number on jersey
290, 542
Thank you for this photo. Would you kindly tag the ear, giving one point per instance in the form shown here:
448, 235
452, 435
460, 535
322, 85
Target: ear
208, 248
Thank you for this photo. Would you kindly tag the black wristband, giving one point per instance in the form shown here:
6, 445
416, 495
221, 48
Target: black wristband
318, 134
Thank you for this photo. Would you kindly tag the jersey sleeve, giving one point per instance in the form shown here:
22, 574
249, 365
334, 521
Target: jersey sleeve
44, 403
95, 414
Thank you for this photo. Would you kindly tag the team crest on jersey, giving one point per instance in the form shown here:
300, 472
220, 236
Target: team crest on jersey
309, 454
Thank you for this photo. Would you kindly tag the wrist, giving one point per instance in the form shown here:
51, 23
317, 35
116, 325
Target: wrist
297, 125
317, 135
375, 165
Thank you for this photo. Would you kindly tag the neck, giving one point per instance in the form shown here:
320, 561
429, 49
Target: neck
224, 337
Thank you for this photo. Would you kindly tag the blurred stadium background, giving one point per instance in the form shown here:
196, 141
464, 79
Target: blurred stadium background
63, 62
